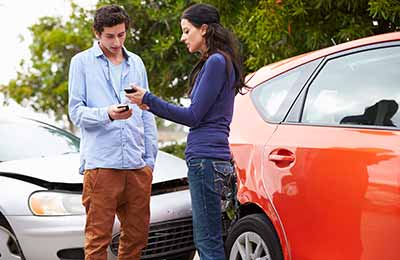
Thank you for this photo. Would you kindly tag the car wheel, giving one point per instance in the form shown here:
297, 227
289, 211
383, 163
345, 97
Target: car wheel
9, 246
253, 238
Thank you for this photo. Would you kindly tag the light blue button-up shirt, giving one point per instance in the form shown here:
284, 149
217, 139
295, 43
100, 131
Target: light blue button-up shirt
118, 144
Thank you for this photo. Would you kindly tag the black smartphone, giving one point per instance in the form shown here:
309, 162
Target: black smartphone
130, 90
125, 107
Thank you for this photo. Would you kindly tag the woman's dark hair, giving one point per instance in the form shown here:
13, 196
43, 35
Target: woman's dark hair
108, 16
218, 39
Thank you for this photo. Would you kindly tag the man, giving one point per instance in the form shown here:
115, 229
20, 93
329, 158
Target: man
118, 144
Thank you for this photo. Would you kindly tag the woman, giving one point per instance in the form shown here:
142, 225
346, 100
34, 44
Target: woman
214, 82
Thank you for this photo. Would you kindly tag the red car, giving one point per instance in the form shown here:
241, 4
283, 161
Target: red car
316, 144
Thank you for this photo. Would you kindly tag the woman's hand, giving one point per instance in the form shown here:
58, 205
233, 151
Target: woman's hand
144, 107
137, 96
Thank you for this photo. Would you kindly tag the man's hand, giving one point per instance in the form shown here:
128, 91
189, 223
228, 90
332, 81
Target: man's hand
137, 96
116, 113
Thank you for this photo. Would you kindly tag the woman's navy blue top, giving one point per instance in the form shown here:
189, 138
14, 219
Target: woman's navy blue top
209, 114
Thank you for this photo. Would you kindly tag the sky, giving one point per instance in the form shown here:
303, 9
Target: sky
15, 18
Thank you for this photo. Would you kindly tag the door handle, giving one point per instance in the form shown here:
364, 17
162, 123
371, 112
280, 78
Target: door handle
281, 158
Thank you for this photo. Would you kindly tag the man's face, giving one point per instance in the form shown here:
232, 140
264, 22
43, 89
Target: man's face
112, 39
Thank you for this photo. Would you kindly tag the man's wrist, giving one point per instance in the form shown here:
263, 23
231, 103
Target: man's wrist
111, 119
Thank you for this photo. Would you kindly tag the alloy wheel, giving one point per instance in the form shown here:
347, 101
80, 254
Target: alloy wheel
249, 246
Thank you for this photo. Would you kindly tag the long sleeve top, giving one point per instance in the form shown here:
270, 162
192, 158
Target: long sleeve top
209, 114
119, 144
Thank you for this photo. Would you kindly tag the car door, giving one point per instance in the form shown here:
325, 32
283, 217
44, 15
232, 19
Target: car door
332, 167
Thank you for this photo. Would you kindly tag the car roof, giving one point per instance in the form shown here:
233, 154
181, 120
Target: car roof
274, 69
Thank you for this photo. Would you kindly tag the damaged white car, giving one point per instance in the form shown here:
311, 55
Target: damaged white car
41, 215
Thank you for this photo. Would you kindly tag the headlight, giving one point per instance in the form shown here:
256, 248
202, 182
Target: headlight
47, 203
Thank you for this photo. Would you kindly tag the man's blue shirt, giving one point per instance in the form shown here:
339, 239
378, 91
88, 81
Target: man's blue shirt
118, 144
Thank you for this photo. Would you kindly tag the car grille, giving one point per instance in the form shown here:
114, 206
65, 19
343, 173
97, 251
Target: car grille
165, 239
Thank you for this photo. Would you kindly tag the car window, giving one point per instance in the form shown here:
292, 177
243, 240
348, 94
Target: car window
274, 97
22, 139
357, 89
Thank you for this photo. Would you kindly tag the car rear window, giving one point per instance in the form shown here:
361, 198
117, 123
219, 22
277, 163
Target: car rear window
274, 97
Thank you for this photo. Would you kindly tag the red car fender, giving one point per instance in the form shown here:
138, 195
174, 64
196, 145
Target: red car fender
251, 191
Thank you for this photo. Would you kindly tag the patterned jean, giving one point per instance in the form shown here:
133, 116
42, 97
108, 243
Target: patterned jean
207, 179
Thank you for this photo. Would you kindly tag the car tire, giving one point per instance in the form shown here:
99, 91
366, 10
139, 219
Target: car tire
248, 233
9, 247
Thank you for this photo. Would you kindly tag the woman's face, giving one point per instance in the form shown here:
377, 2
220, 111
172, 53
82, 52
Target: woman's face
193, 37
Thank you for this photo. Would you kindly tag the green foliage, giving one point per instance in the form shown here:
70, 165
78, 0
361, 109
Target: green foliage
44, 77
175, 149
269, 30
272, 30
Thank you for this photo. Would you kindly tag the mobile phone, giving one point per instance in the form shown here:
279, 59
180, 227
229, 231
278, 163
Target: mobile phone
125, 107
130, 90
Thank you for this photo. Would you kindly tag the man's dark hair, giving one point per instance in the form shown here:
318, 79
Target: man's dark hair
108, 16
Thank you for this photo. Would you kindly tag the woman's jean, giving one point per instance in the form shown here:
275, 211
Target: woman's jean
206, 182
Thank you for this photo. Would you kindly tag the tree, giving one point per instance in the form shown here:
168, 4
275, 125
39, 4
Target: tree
269, 30
44, 78
155, 36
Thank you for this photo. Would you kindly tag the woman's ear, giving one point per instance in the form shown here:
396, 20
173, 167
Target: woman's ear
203, 29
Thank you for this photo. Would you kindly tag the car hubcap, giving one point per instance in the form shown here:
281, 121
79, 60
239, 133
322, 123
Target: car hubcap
249, 246
7, 239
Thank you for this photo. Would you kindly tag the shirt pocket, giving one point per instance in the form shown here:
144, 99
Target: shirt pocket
132, 78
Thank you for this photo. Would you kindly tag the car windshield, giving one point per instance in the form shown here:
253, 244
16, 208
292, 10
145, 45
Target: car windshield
24, 138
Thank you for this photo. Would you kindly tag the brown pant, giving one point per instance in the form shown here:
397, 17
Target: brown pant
107, 192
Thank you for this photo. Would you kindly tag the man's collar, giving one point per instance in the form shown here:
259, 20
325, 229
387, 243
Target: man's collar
99, 52
126, 55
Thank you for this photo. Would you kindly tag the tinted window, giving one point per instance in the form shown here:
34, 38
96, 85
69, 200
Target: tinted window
357, 89
274, 97
24, 139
